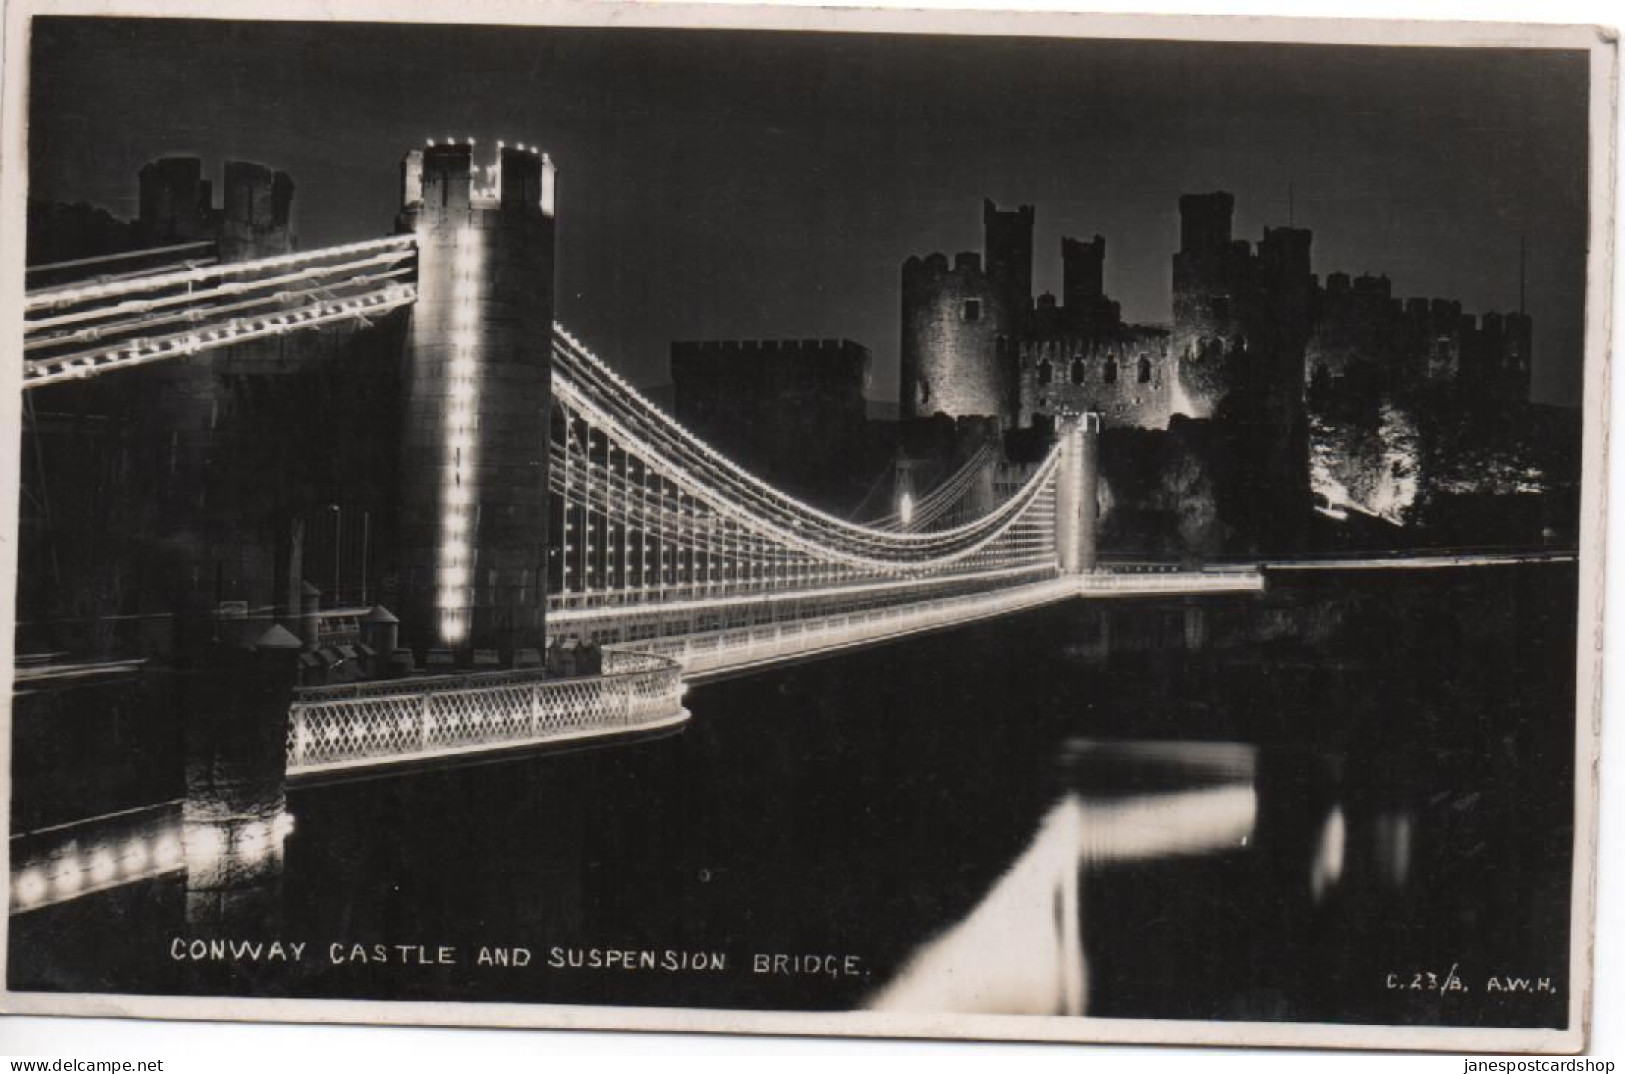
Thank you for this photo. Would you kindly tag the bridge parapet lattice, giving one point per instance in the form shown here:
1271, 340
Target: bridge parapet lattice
445, 716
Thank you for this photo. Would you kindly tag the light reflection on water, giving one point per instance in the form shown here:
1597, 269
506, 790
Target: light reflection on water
1021, 950
1013, 817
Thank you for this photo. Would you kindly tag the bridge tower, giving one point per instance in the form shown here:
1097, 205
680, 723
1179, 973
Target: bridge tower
1077, 508
472, 541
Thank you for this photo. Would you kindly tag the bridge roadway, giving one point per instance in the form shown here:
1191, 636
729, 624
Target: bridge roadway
377, 727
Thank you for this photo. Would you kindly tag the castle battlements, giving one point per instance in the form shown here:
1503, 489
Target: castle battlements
757, 346
455, 175
254, 219
966, 265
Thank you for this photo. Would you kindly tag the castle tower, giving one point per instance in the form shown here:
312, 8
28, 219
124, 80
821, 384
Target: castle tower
1077, 507
175, 201
1083, 272
255, 222
477, 391
952, 321
1007, 240
1212, 290
1204, 221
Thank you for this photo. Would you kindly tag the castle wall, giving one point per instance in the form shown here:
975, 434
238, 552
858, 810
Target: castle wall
1362, 332
1355, 321
1125, 376
791, 411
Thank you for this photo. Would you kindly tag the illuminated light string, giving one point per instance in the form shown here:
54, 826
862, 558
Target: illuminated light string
200, 300
896, 551
1030, 542
582, 364
577, 616
767, 508
606, 492
199, 313
940, 499
837, 558
460, 476
39, 299
113, 861
42, 371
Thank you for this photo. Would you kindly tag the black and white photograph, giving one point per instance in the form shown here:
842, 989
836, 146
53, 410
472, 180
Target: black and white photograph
909, 525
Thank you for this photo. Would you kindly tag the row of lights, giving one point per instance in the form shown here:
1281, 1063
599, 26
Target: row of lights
461, 447
207, 272
191, 311
44, 370
622, 385
750, 482
600, 367
852, 559
533, 150
244, 843
142, 857
74, 874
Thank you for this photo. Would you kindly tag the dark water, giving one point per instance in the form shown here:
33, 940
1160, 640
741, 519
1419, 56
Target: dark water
1286, 807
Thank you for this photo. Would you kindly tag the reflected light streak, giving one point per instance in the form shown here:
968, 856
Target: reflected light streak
1020, 951
1326, 869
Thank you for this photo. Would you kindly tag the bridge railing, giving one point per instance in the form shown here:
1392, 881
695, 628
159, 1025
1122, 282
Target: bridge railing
448, 715
1199, 581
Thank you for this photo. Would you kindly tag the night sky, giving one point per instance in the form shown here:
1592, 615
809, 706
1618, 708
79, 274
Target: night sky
728, 184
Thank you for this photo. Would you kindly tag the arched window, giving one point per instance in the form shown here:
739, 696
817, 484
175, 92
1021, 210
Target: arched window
1046, 372
1077, 371
1145, 371
1110, 376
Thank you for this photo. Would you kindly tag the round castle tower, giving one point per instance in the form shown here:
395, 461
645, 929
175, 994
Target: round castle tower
953, 320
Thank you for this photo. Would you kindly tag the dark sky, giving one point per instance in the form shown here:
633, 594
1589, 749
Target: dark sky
730, 184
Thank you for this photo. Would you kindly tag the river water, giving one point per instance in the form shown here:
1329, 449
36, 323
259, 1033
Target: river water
1294, 806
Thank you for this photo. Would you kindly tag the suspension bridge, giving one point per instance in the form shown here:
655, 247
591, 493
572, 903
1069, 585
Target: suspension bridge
543, 497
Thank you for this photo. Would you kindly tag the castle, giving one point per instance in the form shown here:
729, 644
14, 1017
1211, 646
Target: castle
1279, 393
976, 342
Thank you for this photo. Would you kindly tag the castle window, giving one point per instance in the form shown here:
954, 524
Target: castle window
1046, 372
1145, 371
1110, 376
1077, 371
973, 309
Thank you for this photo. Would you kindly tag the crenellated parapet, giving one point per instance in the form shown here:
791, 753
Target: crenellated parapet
1364, 336
458, 175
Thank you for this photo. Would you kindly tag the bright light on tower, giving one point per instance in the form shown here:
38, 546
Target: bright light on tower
461, 450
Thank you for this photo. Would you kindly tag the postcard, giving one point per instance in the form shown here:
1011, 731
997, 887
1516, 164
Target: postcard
875, 523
